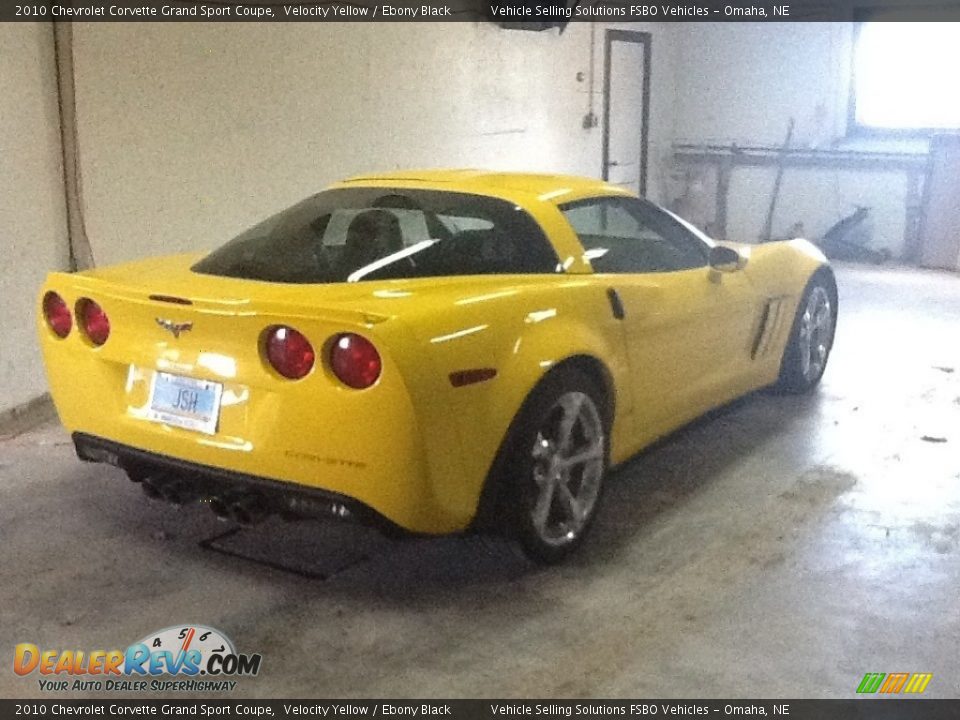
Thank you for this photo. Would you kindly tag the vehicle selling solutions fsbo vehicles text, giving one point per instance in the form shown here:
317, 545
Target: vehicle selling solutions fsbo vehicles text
596, 11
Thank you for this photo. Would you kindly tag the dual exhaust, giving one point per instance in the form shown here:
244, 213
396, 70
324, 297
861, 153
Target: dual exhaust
245, 509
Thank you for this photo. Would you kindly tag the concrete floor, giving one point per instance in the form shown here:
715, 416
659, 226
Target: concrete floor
781, 547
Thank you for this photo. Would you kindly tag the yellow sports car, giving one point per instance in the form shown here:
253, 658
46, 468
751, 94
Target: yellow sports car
430, 351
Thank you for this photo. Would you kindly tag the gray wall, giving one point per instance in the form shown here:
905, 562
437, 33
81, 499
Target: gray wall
741, 83
189, 133
33, 233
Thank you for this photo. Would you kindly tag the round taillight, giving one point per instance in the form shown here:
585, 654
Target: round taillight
289, 352
94, 321
57, 314
355, 361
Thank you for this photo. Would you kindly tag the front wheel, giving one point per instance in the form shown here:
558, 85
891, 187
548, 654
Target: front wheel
557, 463
811, 338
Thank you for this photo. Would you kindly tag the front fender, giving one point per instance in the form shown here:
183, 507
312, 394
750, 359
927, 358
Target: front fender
785, 267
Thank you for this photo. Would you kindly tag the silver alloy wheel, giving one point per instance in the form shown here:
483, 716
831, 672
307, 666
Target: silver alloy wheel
568, 468
816, 331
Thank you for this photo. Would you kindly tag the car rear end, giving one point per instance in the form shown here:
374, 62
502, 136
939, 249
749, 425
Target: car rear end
258, 397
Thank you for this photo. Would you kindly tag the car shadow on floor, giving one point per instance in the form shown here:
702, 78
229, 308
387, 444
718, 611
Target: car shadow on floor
659, 480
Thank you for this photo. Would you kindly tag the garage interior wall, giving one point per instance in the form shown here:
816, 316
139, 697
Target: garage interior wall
188, 133
742, 82
191, 132
33, 228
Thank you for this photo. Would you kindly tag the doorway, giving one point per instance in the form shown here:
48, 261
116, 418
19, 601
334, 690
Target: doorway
626, 108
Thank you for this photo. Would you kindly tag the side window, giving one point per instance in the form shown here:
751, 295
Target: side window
624, 235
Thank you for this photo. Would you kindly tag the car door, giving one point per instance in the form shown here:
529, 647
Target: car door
688, 327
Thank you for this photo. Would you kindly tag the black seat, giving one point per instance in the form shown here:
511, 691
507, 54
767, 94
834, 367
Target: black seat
371, 235
482, 252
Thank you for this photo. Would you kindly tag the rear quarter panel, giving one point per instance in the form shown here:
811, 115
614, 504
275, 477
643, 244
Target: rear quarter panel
522, 327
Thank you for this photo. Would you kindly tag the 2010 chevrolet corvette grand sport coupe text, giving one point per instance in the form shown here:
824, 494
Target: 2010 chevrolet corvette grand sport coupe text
428, 351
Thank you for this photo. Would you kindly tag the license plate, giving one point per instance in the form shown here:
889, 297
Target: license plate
185, 402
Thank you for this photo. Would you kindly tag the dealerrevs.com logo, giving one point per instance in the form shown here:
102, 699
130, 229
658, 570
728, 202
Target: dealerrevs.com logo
179, 658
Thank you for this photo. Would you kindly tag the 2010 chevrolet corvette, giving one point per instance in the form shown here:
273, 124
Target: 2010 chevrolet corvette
432, 351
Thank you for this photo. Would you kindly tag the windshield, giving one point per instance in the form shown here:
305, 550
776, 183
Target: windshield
359, 234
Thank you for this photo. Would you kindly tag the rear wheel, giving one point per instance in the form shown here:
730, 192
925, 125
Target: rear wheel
556, 465
811, 338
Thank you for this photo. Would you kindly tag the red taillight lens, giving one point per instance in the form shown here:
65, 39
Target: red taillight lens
290, 353
355, 361
93, 320
57, 314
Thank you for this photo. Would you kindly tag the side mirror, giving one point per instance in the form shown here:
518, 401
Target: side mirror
725, 259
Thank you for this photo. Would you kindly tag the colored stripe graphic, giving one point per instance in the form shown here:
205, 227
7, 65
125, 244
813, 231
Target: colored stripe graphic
914, 683
871, 682
918, 682
894, 683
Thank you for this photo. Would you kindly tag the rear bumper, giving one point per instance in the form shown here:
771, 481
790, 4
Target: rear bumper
289, 499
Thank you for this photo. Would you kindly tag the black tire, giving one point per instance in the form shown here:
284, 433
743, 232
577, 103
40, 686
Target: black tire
577, 487
804, 360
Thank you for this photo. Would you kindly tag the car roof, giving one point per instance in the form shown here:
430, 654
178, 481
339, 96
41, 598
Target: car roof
549, 187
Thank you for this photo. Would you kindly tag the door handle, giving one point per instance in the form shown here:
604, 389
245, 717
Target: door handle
616, 304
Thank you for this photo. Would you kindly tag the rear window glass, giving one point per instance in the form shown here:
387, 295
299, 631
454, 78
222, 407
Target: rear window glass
359, 234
